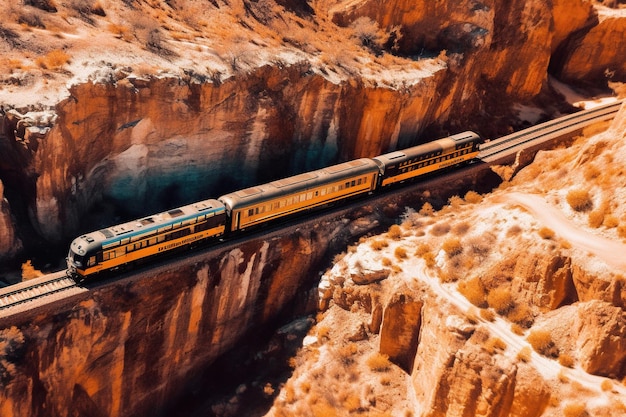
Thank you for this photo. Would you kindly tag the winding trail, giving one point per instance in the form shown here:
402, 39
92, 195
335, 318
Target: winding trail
611, 251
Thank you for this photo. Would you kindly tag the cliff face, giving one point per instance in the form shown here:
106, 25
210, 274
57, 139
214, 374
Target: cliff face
130, 348
125, 144
170, 140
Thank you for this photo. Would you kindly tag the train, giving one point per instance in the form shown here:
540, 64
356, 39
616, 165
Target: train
121, 245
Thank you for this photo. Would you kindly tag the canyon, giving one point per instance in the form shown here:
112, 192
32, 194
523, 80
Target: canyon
117, 110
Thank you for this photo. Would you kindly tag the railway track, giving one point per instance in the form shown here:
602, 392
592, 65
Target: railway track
18, 295
561, 126
31, 290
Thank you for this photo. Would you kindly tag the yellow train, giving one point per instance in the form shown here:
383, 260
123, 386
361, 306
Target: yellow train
119, 245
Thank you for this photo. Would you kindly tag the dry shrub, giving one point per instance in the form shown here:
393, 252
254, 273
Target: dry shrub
378, 362
541, 341
610, 221
422, 249
379, 244
461, 228
400, 252
517, 329
522, 315
455, 201
473, 197
53, 59
29, 271
514, 231
121, 31
566, 360
591, 172
500, 299
429, 258
621, 231
474, 291
386, 261
579, 200
487, 314
452, 246
525, 354
596, 218
427, 209
395, 232
440, 229
606, 385
494, 344
546, 233
576, 409
347, 352
480, 246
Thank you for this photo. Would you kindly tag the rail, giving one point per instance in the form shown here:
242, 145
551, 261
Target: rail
28, 291
563, 125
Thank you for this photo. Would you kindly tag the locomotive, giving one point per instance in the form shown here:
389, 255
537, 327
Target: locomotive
213, 219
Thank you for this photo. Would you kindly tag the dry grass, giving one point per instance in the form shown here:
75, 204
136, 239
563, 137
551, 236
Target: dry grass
29, 271
474, 290
452, 246
579, 200
440, 229
379, 244
521, 314
395, 232
473, 197
525, 354
378, 362
566, 360
54, 59
546, 233
494, 344
500, 299
427, 209
541, 341
400, 252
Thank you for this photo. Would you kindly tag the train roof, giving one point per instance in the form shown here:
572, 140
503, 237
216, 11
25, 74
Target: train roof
145, 226
298, 183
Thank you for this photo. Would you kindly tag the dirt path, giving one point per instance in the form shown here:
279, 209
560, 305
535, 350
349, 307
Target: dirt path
612, 252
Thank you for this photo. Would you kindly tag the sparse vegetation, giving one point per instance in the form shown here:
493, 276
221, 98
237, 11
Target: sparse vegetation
400, 252
379, 244
566, 360
546, 233
452, 246
494, 344
378, 362
474, 291
579, 200
29, 271
525, 354
395, 232
473, 197
500, 299
53, 59
541, 341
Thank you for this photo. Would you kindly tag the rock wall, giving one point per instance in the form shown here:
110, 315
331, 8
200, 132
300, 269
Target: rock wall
128, 348
125, 146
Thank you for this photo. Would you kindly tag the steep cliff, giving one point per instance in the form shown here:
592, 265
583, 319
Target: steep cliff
160, 113
505, 304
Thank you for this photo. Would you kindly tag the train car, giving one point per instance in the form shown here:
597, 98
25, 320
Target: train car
419, 160
116, 246
276, 199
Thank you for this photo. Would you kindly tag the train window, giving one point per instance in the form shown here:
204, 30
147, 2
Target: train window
250, 212
309, 196
352, 183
